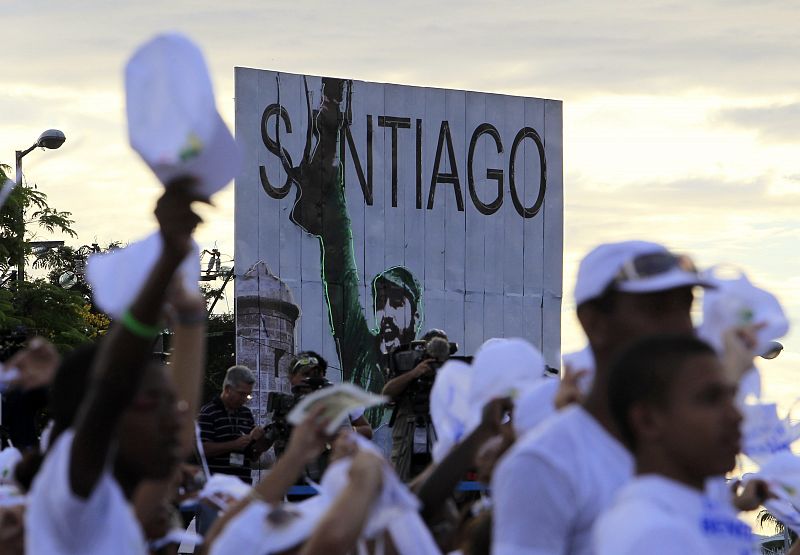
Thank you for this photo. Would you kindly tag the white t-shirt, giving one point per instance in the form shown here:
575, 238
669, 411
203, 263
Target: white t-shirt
60, 522
658, 516
553, 483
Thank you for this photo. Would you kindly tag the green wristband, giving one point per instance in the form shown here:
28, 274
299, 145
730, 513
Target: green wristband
137, 328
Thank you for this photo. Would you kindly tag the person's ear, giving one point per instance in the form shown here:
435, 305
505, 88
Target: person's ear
647, 423
595, 324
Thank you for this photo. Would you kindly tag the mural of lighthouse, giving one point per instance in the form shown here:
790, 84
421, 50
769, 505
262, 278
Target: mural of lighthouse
265, 341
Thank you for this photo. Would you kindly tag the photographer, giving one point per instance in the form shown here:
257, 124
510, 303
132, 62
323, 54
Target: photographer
412, 432
306, 375
227, 427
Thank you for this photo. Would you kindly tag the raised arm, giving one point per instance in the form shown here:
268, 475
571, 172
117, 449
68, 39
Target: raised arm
305, 444
340, 528
444, 478
188, 321
125, 350
321, 210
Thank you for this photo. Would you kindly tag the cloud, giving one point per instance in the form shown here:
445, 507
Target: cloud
562, 49
775, 123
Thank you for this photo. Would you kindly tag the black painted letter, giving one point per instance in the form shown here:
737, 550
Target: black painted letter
366, 184
275, 148
394, 123
491, 173
452, 177
533, 210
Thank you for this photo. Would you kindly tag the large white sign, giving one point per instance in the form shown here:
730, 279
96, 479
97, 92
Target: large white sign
381, 211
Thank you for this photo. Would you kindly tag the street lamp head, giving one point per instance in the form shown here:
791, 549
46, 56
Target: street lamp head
52, 138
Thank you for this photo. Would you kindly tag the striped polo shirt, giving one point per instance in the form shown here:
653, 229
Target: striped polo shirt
218, 425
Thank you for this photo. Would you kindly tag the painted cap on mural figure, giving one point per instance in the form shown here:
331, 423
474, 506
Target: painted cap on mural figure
401, 278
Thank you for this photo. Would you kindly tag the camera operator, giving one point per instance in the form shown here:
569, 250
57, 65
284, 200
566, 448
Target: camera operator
306, 375
309, 367
412, 432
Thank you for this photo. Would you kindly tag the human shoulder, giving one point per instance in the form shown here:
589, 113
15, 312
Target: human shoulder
559, 435
649, 514
640, 527
211, 408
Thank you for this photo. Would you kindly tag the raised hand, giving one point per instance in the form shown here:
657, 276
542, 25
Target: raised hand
569, 391
309, 438
494, 413
175, 216
36, 362
739, 344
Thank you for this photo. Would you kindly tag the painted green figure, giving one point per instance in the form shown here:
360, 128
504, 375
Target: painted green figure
321, 210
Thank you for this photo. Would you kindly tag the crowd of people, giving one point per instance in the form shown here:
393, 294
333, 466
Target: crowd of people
626, 454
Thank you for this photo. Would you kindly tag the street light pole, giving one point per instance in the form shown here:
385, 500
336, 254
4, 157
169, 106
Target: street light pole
52, 139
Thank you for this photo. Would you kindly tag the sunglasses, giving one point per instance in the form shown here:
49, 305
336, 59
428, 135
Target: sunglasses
304, 361
654, 264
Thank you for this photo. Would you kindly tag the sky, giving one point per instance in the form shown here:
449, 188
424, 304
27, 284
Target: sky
681, 118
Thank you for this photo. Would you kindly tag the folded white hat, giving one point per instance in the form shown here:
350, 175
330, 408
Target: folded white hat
782, 474
734, 301
221, 489
173, 122
117, 276
338, 402
263, 529
502, 368
11, 496
535, 405
9, 458
764, 433
449, 405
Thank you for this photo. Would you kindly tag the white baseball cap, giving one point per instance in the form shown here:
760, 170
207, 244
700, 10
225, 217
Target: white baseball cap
633, 267
173, 121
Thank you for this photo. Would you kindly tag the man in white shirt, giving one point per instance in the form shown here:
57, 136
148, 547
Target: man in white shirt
674, 406
556, 480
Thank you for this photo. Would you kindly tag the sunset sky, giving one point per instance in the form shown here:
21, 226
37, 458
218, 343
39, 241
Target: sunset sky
681, 118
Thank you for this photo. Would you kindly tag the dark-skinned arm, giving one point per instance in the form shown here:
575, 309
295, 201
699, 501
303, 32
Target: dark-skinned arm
188, 360
341, 526
444, 477
305, 444
117, 370
362, 427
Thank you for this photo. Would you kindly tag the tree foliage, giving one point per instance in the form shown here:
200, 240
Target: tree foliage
40, 308
30, 203
221, 352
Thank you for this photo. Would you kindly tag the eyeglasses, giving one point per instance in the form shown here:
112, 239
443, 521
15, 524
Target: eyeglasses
246, 394
654, 264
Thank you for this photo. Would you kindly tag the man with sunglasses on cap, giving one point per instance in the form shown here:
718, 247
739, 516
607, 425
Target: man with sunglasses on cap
557, 479
228, 431
308, 364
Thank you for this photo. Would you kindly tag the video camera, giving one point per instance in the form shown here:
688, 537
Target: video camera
437, 350
409, 356
279, 405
